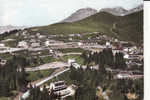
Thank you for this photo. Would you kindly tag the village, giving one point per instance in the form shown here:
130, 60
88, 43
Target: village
52, 48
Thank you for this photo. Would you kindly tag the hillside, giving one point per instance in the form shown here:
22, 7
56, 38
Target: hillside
129, 27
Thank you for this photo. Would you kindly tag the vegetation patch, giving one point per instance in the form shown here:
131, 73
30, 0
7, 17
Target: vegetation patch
68, 50
36, 75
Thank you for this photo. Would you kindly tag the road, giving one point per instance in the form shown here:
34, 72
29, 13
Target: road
26, 94
10, 50
63, 54
52, 65
71, 53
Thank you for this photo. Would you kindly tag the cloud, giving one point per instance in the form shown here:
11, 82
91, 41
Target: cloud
43, 12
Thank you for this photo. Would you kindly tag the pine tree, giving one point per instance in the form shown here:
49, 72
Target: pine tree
4, 88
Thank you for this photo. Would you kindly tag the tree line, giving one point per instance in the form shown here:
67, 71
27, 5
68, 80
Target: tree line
13, 76
104, 58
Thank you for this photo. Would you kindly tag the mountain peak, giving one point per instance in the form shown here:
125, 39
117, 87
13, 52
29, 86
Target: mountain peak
136, 9
119, 11
81, 14
87, 8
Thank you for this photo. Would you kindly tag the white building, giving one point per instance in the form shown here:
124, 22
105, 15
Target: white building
124, 75
108, 45
2, 45
126, 49
35, 45
3, 62
47, 43
116, 40
70, 61
70, 39
80, 44
51, 51
134, 48
60, 88
23, 44
57, 86
126, 56
84, 67
76, 65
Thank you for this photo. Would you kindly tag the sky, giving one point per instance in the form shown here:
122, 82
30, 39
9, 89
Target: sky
44, 12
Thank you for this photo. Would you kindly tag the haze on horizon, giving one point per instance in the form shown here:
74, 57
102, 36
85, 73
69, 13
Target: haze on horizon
44, 12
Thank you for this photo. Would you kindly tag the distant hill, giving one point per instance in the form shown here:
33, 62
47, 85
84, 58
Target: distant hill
136, 9
9, 28
80, 14
129, 27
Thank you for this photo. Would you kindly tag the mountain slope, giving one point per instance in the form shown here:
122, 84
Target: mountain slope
80, 14
129, 27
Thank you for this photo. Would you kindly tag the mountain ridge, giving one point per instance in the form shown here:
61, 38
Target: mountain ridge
128, 27
119, 11
86, 12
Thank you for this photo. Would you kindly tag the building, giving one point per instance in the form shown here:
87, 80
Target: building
108, 45
35, 45
117, 51
2, 45
124, 75
60, 88
70, 61
3, 62
23, 44
80, 44
126, 56
47, 43
51, 51
76, 65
